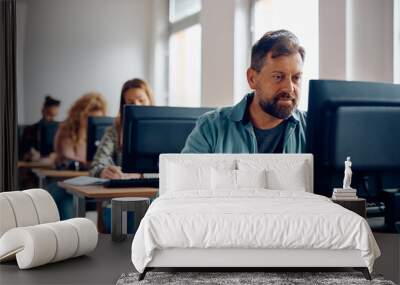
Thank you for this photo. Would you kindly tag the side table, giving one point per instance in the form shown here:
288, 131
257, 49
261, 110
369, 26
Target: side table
138, 205
357, 205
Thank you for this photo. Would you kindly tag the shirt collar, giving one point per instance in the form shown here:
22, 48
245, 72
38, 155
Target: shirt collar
238, 112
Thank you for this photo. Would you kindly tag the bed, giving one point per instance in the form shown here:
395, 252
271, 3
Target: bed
246, 211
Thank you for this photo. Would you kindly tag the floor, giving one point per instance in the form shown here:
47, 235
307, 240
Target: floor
111, 259
389, 263
102, 266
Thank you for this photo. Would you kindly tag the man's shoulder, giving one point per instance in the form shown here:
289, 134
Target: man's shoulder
217, 115
301, 116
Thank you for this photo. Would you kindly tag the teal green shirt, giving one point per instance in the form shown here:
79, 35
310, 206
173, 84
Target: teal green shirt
226, 130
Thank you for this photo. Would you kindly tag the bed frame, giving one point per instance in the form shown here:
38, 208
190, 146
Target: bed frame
249, 259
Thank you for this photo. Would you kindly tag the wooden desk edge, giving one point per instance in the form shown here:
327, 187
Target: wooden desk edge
35, 164
59, 173
147, 192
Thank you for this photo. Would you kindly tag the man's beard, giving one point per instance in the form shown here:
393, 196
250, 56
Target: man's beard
273, 108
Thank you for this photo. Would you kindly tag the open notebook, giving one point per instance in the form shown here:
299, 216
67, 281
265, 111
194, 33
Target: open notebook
85, 181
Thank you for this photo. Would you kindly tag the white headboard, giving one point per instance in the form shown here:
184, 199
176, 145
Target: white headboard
247, 160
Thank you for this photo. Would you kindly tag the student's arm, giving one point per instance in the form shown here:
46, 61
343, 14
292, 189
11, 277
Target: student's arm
64, 148
202, 139
103, 164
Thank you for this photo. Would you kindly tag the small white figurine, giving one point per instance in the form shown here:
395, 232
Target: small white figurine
347, 174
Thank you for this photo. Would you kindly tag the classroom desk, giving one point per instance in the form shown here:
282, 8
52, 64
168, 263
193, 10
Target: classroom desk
35, 164
100, 193
42, 174
26, 178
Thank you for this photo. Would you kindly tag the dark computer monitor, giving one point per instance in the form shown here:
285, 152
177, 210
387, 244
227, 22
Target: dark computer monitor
150, 131
360, 120
95, 132
48, 131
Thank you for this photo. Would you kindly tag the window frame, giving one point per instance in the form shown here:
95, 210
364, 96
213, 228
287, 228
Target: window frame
175, 27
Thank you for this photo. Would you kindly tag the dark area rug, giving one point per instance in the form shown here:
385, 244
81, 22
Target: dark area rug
225, 278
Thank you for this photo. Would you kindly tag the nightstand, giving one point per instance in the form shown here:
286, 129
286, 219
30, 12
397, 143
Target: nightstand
356, 205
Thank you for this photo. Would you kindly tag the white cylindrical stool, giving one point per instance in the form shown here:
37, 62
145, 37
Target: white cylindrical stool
138, 205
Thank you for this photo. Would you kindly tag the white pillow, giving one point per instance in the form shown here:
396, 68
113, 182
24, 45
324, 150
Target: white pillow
223, 179
281, 174
235, 179
251, 178
185, 177
294, 178
185, 174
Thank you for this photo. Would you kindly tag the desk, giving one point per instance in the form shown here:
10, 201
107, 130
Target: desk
42, 174
26, 178
100, 193
35, 164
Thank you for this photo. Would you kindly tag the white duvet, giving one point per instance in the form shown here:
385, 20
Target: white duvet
252, 218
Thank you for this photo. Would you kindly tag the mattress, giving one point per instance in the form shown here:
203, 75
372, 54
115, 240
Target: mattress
250, 219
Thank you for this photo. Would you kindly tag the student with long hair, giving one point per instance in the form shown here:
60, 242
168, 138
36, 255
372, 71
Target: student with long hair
70, 140
70, 144
108, 158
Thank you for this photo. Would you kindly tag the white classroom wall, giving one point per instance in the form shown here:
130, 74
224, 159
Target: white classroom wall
69, 47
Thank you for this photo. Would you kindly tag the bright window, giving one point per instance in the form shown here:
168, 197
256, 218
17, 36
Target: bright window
299, 17
180, 9
185, 67
184, 71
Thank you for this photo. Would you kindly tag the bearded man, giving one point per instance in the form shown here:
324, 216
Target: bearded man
266, 120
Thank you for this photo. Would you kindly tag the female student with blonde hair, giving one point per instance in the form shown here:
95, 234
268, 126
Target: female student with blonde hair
70, 144
70, 140
108, 158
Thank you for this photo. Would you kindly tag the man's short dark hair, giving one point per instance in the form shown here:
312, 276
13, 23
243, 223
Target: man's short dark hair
279, 43
50, 102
